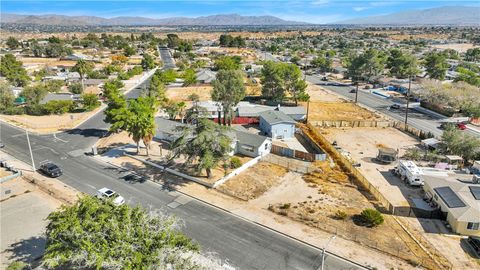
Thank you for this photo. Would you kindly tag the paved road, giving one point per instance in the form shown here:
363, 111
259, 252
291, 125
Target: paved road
167, 58
244, 244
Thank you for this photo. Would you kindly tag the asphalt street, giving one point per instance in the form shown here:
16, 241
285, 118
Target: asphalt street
243, 244
416, 119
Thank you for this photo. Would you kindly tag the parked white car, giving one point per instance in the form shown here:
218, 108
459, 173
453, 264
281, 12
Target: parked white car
106, 193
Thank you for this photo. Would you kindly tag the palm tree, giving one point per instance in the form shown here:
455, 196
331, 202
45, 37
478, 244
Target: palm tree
83, 67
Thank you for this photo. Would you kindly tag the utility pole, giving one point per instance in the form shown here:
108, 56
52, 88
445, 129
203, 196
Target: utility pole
356, 91
30, 149
324, 249
408, 99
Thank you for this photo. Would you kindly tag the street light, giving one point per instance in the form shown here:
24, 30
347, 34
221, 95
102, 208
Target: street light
325, 247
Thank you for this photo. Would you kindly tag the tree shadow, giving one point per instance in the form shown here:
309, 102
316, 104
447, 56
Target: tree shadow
88, 132
27, 250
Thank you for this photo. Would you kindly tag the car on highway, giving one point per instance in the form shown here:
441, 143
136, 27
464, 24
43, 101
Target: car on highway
108, 194
353, 91
394, 107
50, 169
135, 178
458, 125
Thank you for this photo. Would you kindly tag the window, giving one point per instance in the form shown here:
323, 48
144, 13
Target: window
266, 146
473, 226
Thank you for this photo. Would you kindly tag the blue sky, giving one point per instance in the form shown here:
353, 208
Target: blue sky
312, 11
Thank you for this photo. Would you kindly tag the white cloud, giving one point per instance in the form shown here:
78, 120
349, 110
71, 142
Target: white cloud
357, 9
319, 2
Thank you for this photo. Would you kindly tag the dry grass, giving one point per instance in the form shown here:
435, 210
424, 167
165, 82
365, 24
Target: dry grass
338, 111
182, 93
253, 182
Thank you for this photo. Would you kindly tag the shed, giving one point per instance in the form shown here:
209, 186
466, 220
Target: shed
277, 125
387, 155
431, 143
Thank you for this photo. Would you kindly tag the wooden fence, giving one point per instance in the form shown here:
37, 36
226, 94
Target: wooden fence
288, 152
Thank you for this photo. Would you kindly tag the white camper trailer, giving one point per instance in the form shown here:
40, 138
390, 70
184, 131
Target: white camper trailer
410, 173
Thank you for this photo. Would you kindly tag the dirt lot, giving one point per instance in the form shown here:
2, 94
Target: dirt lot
362, 144
318, 93
332, 111
460, 47
315, 199
48, 123
255, 181
182, 93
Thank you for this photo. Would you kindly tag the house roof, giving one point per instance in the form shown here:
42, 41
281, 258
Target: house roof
206, 75
59, 96
275, 117
293, 110
247, 109
458, 196
168, 126
250, 138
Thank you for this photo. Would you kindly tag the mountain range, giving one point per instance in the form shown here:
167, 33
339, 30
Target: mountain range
223, 19
454, 15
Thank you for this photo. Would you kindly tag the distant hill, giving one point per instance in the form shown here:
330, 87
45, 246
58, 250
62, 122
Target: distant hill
455, 15
223, 19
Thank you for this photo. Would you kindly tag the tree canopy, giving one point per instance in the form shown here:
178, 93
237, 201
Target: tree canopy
436, 65
96, 234
280, 79
228, 89
204, 144
13, 70
228, 63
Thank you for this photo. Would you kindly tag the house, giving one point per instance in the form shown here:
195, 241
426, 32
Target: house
60, 96
243, 143
63, 76
252, 110
78, 56
250, 144
206, 76
458, 201
277, 125
212, 108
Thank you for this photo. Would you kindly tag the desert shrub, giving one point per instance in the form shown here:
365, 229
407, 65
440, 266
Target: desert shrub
17, 266
413, 154
75, 88
285, 206
35, 110
235, 162
371, 217
58, 106
340, 215
90, 101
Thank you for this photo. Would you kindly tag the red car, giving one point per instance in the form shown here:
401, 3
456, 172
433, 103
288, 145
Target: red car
461, 126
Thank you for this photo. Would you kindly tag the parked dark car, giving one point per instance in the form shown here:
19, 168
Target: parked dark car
353, 91
474, 242
133, 177
395, 106
50, 169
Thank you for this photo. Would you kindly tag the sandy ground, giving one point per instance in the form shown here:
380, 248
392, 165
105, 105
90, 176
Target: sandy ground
362, 143
460, 47
318, 93
320, 110
255, 181
182, 93
452, 246
287, 186
49, 123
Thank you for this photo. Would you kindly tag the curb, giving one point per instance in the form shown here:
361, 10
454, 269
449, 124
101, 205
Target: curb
248, 220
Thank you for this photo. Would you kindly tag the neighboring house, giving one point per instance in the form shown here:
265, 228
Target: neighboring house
251, 145
93, 82
63, 76
78, 56
459, 201
206, 76
212, 108
277, 125
60, 96
244, 143
252, 110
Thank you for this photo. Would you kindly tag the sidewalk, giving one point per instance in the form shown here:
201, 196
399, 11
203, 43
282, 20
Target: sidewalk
259, 214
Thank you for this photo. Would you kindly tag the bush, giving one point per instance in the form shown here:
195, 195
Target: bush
413, 154
90, 101
75, 88
235, 162
58, 106
340, 215
371, 217
285, 206
17, 266
35, 110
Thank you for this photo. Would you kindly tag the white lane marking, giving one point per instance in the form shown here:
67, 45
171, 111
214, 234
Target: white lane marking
55, 136
18, 135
